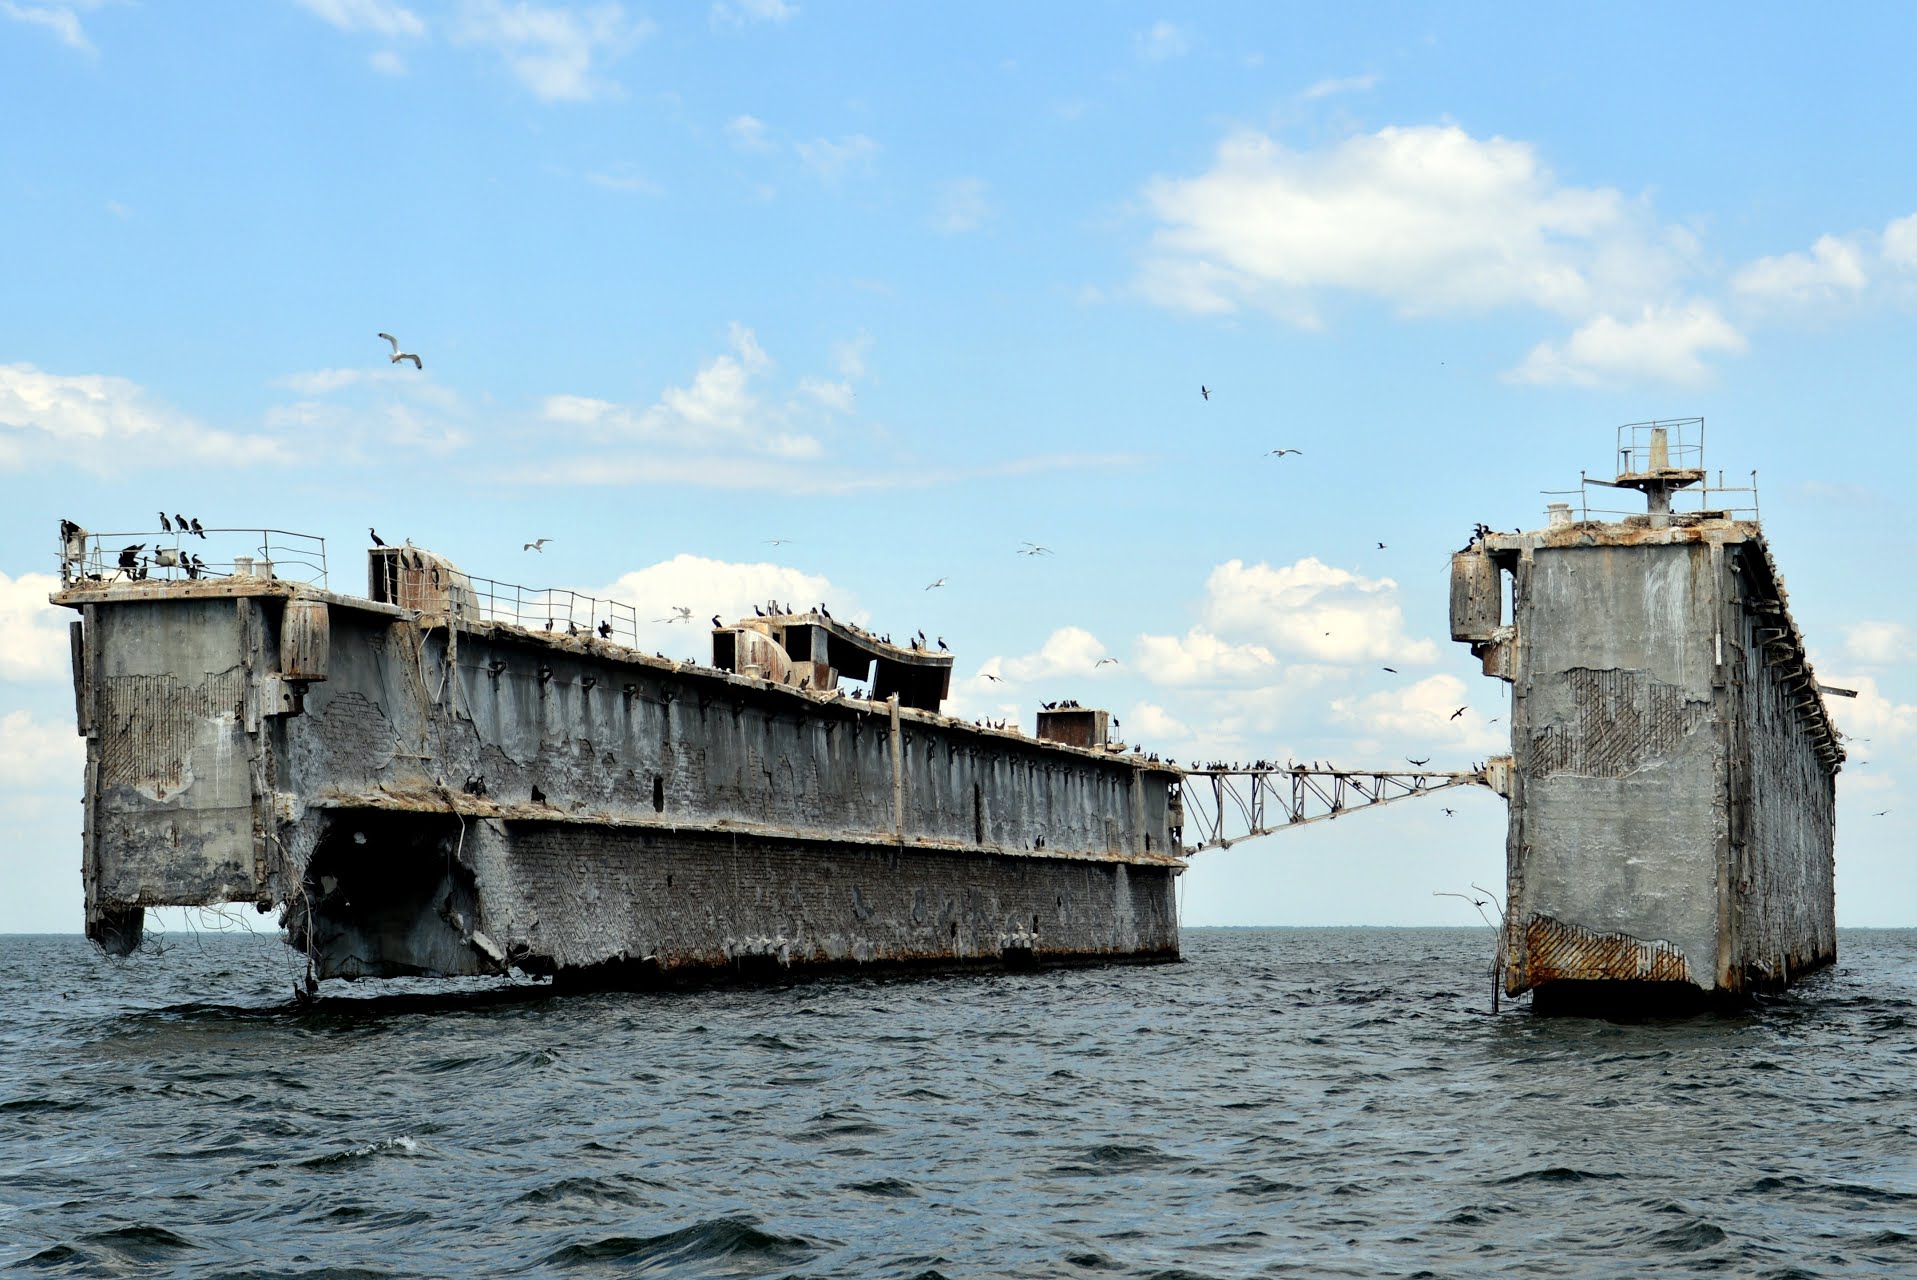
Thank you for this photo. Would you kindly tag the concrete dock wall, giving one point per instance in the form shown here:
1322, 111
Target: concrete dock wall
1673, 794
454, 801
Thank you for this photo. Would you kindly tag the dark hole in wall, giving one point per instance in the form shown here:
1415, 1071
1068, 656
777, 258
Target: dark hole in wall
658, 794
978, 813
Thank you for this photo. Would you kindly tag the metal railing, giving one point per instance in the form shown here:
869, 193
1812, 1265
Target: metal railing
180, 555
555, 609
1661, 444
1225, 806
1736, 502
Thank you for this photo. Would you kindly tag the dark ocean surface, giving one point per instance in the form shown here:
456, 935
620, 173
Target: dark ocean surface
1283, 1103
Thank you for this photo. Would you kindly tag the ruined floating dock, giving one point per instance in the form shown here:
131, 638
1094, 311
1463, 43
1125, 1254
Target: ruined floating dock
426, 780
1673, 780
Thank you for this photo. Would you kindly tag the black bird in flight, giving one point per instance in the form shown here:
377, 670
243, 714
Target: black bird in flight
1204, 391
1449, 812
166, 526
374, 535
1279, 453
1381, 546
1392, 670
1460, 711
994, 679
1420, 763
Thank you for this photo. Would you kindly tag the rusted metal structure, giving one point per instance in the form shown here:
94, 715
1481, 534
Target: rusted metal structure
1672, 782
454, 776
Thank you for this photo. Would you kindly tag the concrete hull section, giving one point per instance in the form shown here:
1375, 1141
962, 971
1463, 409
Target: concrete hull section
1672, 798
461, 800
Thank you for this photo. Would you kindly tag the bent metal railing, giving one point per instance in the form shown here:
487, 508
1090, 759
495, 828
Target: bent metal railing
1224, 806
86, 556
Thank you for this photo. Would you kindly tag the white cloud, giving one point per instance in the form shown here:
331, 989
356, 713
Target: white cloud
737, 13
319, 382
1870, 714
962, 206
557, 53
1427, 217
99, 421
1200, 657
33, 633
747, 133
1311, 609
381, 17
1900, 242
1345, 84
1162, 41
1663, 342
1149, 720
1833, 266
721, 587
62, 19
37, 754
1424, 712
1068, 651
828, 392
387, 63
831, 161
1879, 643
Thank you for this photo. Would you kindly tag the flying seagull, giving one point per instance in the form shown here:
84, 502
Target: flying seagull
680, 613
1102, 661
778, 542
399, 355
1279, 453
994, 679
537, 544
939, 583
1204, 391
1033, 549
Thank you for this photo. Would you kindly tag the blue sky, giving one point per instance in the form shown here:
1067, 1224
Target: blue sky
910, 287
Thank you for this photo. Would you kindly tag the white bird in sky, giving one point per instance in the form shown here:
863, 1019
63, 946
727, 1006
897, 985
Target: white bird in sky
399, 355
778, 542
680, 613
939, 583
537, 544
1102, 661
1033, 549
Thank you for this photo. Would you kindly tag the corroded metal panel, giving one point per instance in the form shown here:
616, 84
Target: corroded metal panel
1555, 951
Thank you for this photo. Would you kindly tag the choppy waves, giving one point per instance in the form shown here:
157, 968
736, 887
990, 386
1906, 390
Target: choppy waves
1285, 1103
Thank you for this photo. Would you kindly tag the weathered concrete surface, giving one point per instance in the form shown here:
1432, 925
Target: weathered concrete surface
459, 800
1672, 804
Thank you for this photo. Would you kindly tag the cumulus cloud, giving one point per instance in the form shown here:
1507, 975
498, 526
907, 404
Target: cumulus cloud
38, 753
381, 17
1149, 720
1427, 217
559, 54
33, 633
962, 206
1424, 713
1068, 651
1312, 610
1661, 342
99, 421
1199, 657
1900, 242
1871, 714
831, 161
1879, 643
1832, 268
707, 587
